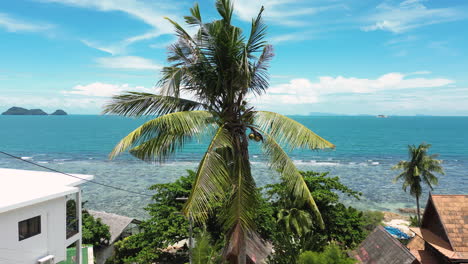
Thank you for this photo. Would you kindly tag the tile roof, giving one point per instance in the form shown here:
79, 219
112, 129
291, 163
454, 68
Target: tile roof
453, 212
381, 248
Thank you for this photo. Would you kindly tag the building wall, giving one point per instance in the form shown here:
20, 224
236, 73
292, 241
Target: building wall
51, 240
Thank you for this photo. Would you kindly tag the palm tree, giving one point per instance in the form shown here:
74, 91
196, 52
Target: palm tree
220, 69
295, 221
419, 168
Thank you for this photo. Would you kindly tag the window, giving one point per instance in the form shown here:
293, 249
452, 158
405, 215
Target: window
29, 227
72, 219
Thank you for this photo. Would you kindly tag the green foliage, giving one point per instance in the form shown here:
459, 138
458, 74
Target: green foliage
94, 232
344, 225
414, 221
204, 252
166, 226
372, 219
331, 255
222, 68
419, 169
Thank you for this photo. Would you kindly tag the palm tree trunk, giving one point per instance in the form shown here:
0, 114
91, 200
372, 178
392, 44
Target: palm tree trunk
241, 146
419, 213
242, 257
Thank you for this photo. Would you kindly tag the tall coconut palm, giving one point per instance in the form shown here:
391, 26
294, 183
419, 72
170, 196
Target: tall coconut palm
419, 168
220, 68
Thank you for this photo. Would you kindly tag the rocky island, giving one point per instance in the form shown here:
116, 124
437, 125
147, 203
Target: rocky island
59, 112
23, 111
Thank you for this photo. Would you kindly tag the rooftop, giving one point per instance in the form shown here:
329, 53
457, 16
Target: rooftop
453, 211
117, 223
21, 188
381, 248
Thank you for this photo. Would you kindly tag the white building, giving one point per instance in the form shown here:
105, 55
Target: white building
38, 216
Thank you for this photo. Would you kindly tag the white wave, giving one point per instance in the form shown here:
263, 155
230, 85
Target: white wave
255, 156
42, 162
375, 163
179, 163
26, 158
315, 163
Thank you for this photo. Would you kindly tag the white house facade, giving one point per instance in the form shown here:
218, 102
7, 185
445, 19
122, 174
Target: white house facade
40, 216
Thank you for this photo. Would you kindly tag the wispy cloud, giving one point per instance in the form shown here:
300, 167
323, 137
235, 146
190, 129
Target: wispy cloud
282, 12
149, 12
291, 37
111, 49
128, 63
12, 24
408, 15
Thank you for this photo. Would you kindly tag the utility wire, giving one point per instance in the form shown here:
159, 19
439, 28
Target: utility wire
70, 175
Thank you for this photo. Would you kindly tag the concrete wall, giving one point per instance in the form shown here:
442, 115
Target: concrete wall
51, 240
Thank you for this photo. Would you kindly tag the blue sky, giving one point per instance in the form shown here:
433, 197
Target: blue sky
336, 56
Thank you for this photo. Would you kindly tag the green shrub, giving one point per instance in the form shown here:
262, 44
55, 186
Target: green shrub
94, 231
372, 219
331, 255
414, 221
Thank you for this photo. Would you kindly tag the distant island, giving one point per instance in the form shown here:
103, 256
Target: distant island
59, 112
23, 111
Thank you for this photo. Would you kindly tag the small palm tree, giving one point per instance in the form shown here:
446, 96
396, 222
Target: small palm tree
419, 168
221, 69
295, 221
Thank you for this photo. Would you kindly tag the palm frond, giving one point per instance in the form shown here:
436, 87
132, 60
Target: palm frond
293, 179
225, 9
289, 132
159, 137
419, 168
259, 81
212, 178
257, 34
138, 104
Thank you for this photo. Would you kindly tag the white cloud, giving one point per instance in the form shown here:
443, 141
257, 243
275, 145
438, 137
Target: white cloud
304, 91
296, 36
408, 15
283, 12
128, 63
16, 25
99, 89
82, 98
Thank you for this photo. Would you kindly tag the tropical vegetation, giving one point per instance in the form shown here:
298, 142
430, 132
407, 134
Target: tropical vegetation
346, 226
331, 255
419, 169
219, 68
94, 232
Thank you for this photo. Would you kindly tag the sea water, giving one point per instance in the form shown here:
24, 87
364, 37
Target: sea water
366, 149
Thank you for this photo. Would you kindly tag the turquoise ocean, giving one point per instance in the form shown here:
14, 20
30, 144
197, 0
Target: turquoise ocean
366, 149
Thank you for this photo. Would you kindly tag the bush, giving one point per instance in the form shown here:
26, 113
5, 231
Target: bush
94, 231
372, 219
331, 255
414, 221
